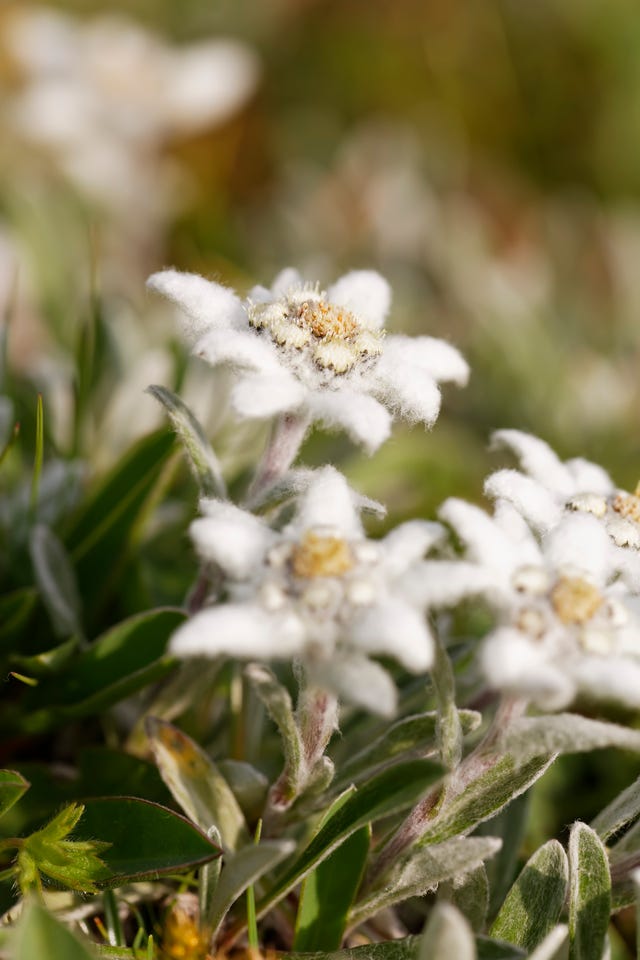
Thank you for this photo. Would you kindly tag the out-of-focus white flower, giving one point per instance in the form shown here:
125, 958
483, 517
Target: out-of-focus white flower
319, 590
103, 95
565, 626
548, 489
320, 354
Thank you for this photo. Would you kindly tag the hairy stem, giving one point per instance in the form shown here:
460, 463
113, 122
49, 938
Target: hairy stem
285, 442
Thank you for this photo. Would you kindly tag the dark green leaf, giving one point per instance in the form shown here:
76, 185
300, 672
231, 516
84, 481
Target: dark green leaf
470, 894
407, 949
622, 811
48, 662
145, 839
56, 581
328, 892
534, 903
589, 894
15, 610
12, 786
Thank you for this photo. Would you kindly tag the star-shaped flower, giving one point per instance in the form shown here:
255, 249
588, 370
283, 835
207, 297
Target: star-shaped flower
564, 624
318, 590
319, 354
547, 489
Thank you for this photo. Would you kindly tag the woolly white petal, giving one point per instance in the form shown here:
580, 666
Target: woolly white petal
393, 627
206, 305
444, 583
589, 477
239, 630
518, 665
366, 421
534, 501
436, 357
537, 459
328, 501
366, 294
486, 542
358, 680
239, 349
408, 543
286, 280
407, 389
518, 532
263, 395
581, 543
234, 539
609, 678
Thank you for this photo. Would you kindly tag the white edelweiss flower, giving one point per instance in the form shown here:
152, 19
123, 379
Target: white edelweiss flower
318, 590
321, 354
547, 489
564, 626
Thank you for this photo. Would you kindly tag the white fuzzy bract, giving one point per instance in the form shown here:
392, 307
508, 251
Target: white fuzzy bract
320, 354
547, 489
565, 625
318, 590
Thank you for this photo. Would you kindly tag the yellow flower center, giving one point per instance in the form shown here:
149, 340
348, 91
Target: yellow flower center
325, 320
628, 505
575, 600
321, 556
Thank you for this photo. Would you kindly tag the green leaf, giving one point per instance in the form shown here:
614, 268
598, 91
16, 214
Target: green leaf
56, 581
565, 733
145, 838
470, 895
15, 611
589, 894
123, 660
196, 783
486, 794
510, 825
240, 871
12, 786
248, 785
107, 525
534, 903
414, 734
447, 935
49, 661
202, 460
73, 863
622, 811
423, 870
391, 791
327, 894
278, 705
407, 949
39, 935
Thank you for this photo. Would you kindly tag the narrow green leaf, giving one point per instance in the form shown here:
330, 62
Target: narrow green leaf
56, 581
240, 871
486, 794
622, 811
38, 456
39, 935
202, 460
589, 894
48, 662
407, 949
327, 894
510, 825
248, 785
278, 705
390, 792
534, 903
423, 870
12, 786
470, 895
9, 443
447, 935
404, 738
145, 839
565, 733
196, 783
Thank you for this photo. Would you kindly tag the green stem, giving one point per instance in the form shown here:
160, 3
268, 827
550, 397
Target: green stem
112, 918
448, 728
252, 920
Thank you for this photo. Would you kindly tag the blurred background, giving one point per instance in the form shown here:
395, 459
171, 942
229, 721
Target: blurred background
484, 155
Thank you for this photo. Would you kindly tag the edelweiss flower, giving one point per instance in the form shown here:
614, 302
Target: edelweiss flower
549, 489
318, 590
564, 628
319, 354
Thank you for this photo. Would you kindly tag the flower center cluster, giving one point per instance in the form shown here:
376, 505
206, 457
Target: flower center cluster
574, 600
571, 600
628, 505
321, 556
329, 334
